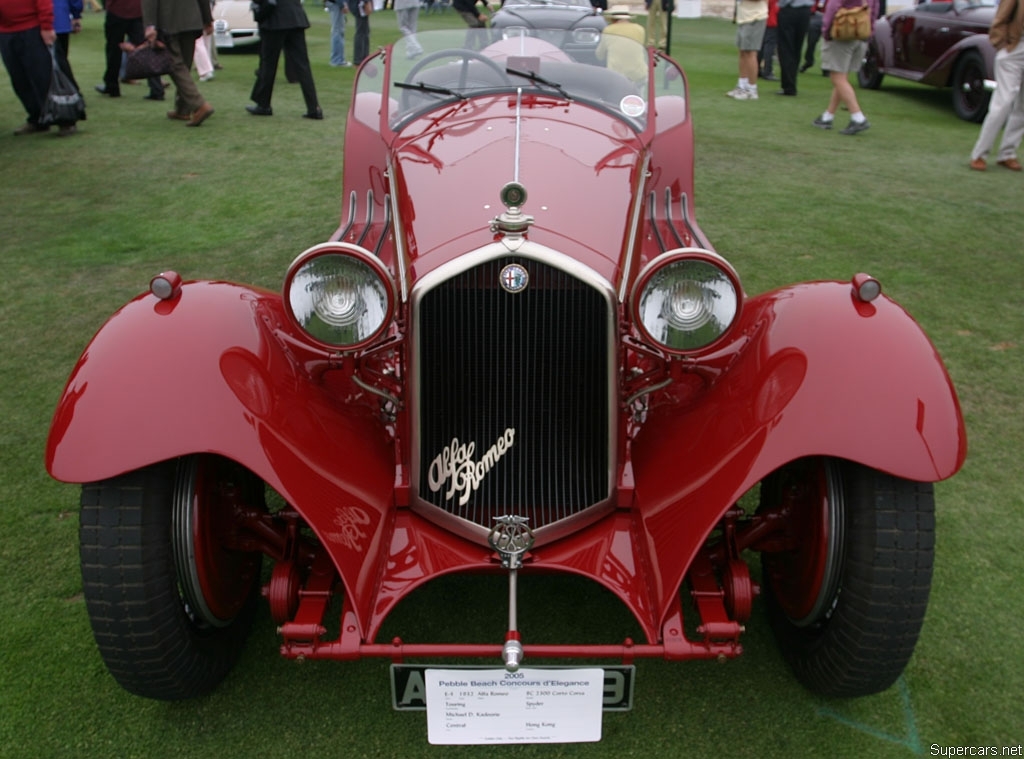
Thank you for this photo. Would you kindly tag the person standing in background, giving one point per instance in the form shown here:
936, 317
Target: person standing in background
182, 21
26, 30
813, 34
123, 21
283, 29
626, 58
766, 57
67, 20
751, 21
338, 9
794, 18
841, 58
408, 12
360, 11
1006, 109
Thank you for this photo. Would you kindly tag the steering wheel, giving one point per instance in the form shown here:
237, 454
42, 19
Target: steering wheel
467, 56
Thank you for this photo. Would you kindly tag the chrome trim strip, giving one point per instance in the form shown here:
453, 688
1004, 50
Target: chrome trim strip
634, 227
400, 250
519, 122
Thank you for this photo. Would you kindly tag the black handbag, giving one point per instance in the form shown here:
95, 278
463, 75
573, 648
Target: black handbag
64, 104
147, 61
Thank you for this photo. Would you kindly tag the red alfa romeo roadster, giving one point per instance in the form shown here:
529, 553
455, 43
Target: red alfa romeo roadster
518, 354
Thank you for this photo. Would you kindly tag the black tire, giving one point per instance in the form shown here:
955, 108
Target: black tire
869, 75
847, 596
970, 98
169, 612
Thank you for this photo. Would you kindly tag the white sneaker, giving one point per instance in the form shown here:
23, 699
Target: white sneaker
743, 94
206, 77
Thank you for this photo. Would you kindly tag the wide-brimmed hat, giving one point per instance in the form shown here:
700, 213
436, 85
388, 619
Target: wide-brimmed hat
619, 11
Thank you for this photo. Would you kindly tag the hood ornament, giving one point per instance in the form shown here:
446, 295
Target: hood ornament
512, 221
511, 538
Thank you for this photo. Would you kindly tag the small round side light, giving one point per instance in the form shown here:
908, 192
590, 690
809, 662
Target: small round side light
166, 285
865, 287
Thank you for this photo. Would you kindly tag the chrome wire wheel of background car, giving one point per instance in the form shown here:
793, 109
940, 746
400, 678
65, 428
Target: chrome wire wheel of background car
970, 98
869, 75
846, 586
170, 603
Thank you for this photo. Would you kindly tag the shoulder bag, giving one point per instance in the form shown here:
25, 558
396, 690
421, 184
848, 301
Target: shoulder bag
851, 24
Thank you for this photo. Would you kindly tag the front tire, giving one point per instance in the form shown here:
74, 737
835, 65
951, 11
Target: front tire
847, 590
170, 604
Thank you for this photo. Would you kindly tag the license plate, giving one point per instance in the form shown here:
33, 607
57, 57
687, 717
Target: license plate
223, 40
409, 685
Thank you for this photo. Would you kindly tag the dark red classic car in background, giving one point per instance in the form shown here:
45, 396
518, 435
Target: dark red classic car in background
518, 355
944, 44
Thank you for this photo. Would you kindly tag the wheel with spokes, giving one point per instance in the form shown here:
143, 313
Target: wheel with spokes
170, 601
970, 98
847, 579
869, 75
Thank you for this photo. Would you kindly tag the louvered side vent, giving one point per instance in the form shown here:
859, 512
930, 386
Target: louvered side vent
513, 395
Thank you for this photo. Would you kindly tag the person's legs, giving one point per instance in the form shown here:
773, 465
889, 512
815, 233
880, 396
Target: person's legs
361, 41
999, 107
1014, 129
29, 65
295, 51
187, 98
271, 44
337, 33
792, 29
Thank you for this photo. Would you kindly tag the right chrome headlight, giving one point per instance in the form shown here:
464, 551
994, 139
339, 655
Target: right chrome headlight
686, 300
340, 295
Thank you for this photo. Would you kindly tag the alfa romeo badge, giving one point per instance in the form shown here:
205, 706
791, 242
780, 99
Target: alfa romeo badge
514, 278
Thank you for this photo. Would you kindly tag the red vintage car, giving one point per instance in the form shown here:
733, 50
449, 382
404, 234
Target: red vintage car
943, 44
518, 354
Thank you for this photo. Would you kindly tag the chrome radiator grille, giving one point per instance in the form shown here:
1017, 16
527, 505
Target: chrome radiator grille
513, 395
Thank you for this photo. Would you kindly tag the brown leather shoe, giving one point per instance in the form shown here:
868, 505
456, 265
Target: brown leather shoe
201, 114
1011, 163
178, 116
978, 164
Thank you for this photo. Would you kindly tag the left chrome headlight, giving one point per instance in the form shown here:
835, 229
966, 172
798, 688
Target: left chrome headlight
686, 300
340, 295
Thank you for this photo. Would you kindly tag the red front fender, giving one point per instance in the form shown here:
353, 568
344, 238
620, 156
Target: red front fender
824, 375
206, 373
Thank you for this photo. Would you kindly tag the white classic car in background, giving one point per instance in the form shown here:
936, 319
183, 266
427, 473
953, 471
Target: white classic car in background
233, 24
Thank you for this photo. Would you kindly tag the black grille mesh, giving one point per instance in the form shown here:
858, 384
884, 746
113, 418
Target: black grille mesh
533, 362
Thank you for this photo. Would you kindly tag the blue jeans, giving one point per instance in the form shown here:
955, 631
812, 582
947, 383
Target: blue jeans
337, 33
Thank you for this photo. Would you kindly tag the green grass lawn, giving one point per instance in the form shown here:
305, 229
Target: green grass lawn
85, 222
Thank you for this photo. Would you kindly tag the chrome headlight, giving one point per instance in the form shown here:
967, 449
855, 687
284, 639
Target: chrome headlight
586, 36
340, 295
686, 300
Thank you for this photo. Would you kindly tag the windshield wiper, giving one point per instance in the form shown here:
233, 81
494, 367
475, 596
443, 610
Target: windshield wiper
423, 87
538, 79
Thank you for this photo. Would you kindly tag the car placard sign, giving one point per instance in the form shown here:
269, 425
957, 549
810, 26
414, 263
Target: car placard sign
495, 706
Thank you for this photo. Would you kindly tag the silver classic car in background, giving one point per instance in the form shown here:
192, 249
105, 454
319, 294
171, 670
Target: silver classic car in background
573, 25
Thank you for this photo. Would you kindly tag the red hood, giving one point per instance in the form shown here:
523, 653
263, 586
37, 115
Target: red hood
578, 165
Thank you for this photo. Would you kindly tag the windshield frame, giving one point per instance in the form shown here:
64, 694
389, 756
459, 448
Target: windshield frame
592, 85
